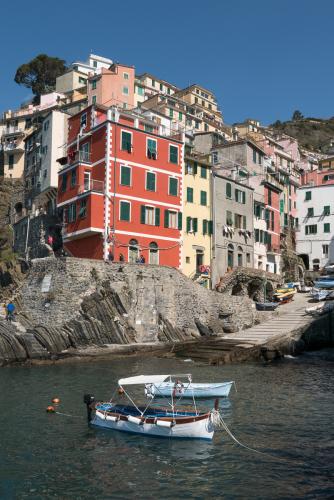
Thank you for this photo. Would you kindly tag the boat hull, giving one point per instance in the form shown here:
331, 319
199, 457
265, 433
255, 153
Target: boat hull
266, 306
193, 390
199, 427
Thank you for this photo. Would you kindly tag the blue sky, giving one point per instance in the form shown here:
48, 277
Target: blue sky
262, 58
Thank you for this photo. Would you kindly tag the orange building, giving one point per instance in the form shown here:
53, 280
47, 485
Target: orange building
112, 87
120, 188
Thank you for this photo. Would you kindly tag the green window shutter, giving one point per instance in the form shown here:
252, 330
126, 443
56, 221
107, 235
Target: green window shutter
152, 146
257, 235
142, 214
308, 195
203, 198
205, 226
228, 190
180, 116
125, 211
126, 141
190, 195
150, 181
173, 186
179, 220
188, 224
236, 194
281, 206
195, 168
166, 218
157, 217
327, 210
243, 197
171, 113
75, 211
173, 154
203, 172
125, 175
244, 220
210, 227
195, 225
327, 227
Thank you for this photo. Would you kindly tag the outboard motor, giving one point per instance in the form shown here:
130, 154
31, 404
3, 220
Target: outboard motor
89, 400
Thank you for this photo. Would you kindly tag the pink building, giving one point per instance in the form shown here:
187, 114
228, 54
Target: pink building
321, 176
112, 87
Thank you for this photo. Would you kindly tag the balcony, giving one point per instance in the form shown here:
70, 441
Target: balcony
91, 185
272, 182
13, 131
11, 147
74, 157
273, 249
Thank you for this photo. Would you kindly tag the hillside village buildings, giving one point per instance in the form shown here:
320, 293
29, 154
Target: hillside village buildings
132, 167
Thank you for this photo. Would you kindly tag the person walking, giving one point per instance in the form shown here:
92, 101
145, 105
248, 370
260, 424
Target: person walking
10, 308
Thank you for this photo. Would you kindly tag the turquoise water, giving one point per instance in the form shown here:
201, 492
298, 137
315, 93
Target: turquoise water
285, 409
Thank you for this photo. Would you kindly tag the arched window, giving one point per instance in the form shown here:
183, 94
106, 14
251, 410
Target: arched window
133, 251
154, 253
230, 256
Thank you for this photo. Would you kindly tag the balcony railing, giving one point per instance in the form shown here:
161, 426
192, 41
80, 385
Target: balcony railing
12, 130
79, 156
11, 146
91, 185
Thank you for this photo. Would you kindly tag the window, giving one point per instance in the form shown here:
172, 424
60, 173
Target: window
189, 168
214, 157
171, 219
203, 172
94, 99
173, 186
83, 120
87, 181
150, 215
325, 250
207, 227
95, 64
248, 258
327, 210
240, 196
10, 162
126, 141
46, 125
168, 90
180, 116
191, 225
254, 156
257, 235
72, 212
308, 195
171, 113
173, 154
150, 181
124, 210
229, 218
312, 229
190, 195
125, 175
310, 212
93, 84
153, 83
126, 76
260, 159
228, 190
83, 208
148, 128
238, 221
140, 90
269, 197
125, 90
63, 182
152, 149
203, 199
73, 177
327, 227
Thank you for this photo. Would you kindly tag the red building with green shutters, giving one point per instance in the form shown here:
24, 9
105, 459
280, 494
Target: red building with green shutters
120, 188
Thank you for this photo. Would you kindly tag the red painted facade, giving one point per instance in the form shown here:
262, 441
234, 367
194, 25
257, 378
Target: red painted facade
272, 201
120, 189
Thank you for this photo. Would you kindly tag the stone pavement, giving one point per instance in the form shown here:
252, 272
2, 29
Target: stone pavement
287, 317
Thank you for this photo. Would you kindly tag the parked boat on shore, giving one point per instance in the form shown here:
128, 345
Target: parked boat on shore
266, 306
283, 296
317, 294
326, 282
320, 309
170, 421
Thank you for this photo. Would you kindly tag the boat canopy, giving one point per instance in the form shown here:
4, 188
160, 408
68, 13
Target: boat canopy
147, 379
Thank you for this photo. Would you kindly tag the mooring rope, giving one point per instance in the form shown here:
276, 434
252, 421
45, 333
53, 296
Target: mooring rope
68, 415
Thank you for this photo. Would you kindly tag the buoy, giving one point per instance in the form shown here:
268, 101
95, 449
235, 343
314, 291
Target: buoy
56, 401
120, 390
50, 409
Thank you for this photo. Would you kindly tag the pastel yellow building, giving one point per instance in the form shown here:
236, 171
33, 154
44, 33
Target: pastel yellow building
197, 216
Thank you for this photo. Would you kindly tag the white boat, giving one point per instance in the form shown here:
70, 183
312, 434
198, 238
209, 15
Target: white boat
318, 294
189, 389
320, 309
170, 421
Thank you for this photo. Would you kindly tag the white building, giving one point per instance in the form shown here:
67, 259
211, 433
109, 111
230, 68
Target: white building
315, 237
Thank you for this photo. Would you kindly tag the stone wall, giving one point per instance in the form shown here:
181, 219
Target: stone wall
68, 303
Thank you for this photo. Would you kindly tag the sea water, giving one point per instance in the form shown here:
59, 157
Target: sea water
284, 409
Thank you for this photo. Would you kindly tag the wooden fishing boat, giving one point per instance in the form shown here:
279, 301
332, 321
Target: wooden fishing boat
189, 389
318, 294
324, 282
170, 421
266, 306
284, 297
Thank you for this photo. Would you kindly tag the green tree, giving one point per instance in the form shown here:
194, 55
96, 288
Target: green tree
297, 116
277, 124
40, 73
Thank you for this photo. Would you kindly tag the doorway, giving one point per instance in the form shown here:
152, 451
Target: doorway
133, 251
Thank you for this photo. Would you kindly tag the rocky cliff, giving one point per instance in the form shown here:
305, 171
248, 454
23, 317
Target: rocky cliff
68, 304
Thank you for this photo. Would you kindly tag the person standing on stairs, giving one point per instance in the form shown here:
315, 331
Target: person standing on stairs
10, 308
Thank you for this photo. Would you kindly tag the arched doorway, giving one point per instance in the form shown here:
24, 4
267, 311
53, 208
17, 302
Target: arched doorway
230, 256
240, 256
154, 253
133, 251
